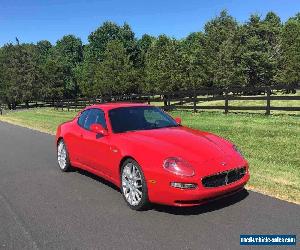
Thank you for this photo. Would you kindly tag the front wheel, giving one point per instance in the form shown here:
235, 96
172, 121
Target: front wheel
134, 188
63, 156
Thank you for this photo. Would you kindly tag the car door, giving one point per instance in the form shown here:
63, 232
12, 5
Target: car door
97, 148
76, 138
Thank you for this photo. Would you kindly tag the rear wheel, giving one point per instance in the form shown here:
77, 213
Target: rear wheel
63, 156
134, 188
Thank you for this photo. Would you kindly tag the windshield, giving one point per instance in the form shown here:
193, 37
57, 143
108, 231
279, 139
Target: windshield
139, 118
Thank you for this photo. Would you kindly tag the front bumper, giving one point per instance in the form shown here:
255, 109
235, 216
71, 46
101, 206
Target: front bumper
162, 193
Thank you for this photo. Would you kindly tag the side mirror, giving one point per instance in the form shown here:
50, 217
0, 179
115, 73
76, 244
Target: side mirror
178, 120
98, 129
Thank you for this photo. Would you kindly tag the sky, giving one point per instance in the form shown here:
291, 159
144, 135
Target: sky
35, 20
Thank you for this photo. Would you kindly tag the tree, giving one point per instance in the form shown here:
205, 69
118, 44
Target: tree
290, 60
69, 48
43, 49
106, 33
220, 50
143, 46
29, 84
53, 75
115, 74
195, 60
85, 75
3, 76
164, 66
19, 73
94, 53
69, 51
259, 50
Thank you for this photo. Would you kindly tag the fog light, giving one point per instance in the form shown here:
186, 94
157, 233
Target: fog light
183, 185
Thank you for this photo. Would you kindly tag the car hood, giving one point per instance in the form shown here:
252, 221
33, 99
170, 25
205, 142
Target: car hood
193, 145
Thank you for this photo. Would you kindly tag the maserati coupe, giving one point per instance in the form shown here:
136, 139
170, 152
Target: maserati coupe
150, 156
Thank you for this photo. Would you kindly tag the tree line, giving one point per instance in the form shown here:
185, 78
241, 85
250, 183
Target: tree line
260, 52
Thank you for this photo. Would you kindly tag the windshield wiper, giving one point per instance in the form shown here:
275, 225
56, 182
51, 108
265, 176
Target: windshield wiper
170, 126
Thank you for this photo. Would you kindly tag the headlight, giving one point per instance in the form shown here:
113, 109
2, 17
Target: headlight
178, 166
238, 151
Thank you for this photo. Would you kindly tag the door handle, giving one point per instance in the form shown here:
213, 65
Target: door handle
81, 135
114, 149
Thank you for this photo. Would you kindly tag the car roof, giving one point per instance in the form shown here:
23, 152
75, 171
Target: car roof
113, 105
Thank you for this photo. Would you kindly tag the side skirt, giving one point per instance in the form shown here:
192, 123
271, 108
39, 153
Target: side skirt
96, 172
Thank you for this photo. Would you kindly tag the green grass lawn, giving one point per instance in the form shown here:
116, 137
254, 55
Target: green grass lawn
270, 143
42, 119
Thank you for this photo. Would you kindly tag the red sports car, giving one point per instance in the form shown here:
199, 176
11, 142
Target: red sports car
150, 156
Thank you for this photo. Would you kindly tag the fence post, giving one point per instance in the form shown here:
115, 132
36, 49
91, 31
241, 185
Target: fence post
165, 100
268, 107
68, 105
226, 102
195, 101
1, 113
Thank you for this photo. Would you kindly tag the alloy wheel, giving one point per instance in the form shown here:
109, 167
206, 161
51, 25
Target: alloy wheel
62, 155
132, 184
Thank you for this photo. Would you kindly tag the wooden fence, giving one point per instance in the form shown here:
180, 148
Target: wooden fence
191, 100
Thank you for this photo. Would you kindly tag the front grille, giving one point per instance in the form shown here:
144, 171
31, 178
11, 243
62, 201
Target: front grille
224, 178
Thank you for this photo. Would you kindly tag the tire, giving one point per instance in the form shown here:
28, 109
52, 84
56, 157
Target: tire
63, 156
133, 185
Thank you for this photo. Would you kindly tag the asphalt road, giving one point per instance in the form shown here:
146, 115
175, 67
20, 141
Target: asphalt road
43, 208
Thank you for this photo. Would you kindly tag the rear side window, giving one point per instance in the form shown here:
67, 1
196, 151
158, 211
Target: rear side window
82, 118
95, 116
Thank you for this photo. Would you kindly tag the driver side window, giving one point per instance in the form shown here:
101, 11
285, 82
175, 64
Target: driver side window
95, 116
83, 117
